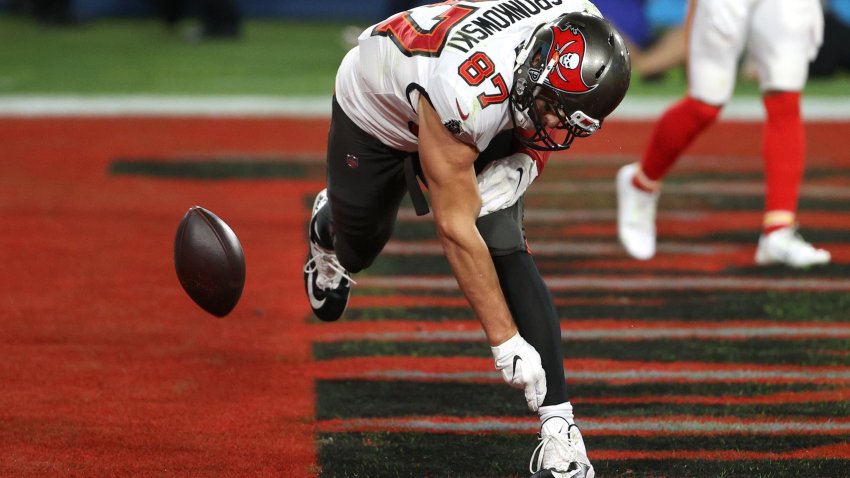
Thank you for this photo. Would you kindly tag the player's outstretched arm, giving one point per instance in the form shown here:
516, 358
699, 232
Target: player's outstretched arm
448, 167
447, 164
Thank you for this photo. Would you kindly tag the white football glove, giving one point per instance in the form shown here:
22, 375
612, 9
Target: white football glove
521, 368
504, 181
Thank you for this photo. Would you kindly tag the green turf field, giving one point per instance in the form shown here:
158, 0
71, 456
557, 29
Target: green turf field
140, 56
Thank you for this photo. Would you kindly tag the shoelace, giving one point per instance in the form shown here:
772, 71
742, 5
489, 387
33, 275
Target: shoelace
572, 454
330, 272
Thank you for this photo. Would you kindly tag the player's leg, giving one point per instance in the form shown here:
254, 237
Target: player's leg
536, 317
718, 31
354, 217
785, 37
527, 295
717, 37
221, 19
365, 189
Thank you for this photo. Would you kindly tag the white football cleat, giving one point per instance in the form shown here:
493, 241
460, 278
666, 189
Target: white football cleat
786, 246
327, 283
561, 452
635, 215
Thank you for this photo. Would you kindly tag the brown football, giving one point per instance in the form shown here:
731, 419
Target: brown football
209, 261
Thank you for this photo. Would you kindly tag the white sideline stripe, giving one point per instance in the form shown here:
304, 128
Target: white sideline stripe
655, 425
618, 283
145, 105
738, 108
629, 375
720, 332
633, 108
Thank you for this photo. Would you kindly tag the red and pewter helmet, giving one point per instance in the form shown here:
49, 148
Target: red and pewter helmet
576, 67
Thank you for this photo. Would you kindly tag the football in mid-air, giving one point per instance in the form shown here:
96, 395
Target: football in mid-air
209, 261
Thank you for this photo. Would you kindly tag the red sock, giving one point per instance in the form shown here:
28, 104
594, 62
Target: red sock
674, 132
784, 151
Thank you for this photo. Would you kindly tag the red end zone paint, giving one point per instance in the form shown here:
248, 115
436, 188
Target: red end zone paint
109, 369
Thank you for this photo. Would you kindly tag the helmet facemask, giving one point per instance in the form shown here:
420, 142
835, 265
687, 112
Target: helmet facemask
545, 100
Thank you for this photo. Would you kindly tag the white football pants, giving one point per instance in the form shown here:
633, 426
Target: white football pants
781, 37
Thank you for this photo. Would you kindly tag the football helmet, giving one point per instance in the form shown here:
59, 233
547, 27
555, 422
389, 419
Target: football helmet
576, 67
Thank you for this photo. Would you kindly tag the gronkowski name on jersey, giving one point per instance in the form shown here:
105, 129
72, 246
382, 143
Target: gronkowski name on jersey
459, 55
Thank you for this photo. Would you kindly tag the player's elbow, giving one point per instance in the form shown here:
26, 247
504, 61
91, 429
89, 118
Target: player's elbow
452, 232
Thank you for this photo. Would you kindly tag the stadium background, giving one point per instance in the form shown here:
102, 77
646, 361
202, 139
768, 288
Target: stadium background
693, 364
324, 9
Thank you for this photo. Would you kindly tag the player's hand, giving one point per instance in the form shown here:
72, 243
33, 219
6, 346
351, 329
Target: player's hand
521, 368
504, 181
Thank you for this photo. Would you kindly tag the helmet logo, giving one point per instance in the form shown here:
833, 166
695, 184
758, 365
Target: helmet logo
570, 61
566, 56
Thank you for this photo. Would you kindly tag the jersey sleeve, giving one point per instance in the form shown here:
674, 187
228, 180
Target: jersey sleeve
461, 109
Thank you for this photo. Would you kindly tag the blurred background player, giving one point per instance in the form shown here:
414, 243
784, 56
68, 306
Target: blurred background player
782, 36
220, 19
654, 31
834, 54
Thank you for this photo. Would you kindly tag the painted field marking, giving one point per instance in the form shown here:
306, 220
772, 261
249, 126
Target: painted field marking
164, 106
778, 398
730, 187
836, 451
475, 369
575, 248
559, 283
633, 108
616, 426
623, 329
629, 376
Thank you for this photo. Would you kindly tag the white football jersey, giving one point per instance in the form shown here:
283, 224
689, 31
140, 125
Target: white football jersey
459, 54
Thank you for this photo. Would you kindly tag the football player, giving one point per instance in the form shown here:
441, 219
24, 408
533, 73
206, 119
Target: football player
782, 36
437, 90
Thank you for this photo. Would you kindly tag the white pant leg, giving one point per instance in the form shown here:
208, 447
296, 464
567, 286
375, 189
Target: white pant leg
785, 37
719, 30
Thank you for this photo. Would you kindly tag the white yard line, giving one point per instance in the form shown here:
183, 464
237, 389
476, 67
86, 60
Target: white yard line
153, 105
646, 375
671, 425
633, 108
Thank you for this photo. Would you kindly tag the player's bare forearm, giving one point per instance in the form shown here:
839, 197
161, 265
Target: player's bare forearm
476, 275
448, 167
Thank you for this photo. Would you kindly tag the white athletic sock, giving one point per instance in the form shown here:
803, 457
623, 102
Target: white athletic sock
563, 410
